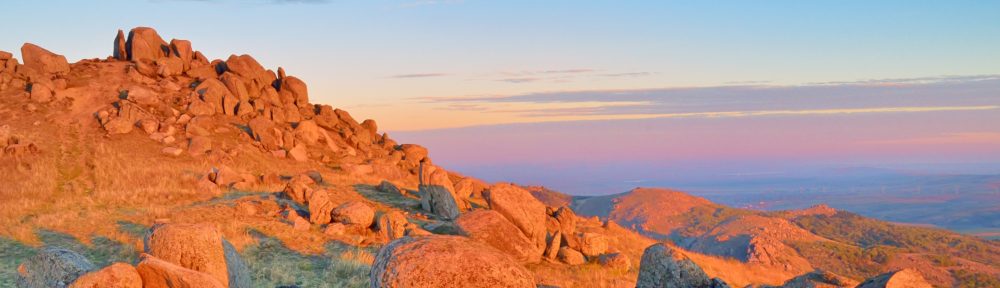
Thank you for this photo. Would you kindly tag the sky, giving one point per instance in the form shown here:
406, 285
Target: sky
511, 90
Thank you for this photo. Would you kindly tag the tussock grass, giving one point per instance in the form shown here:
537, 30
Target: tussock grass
273, 265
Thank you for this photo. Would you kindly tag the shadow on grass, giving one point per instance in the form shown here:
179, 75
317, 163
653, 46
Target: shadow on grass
395, 200
272, 264
102, 252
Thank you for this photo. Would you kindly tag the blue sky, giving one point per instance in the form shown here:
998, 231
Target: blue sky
575, 83
352, 53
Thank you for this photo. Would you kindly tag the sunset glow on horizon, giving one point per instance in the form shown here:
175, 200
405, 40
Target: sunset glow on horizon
875, 82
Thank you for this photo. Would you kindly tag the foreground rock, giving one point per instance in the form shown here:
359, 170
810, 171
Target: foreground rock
446, 261
491, 228
118, 275
159, 273
906, 278
354, 213
440, 201
198, 247
818, 279
522, 209
662, 266
52, 267
43, 61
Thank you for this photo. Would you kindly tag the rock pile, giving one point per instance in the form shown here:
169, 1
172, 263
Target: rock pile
183, 100
41, 77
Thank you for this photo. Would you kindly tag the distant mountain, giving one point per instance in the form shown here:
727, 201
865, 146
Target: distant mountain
797, 241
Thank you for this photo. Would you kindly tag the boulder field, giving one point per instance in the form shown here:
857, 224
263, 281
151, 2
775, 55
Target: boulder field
253, 155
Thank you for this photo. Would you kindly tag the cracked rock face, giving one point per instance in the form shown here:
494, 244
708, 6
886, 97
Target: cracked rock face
662, 266
446, 261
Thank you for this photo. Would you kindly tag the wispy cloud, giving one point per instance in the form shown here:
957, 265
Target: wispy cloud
521, 80
418, 75
930, 94
568, 71
627, 74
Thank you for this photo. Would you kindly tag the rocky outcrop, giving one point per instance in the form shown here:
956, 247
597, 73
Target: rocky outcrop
446, 261
662, 266
145, 44
52, 267
354, 213
198, 247
491, 228
320, 207
392, 225
158, 273
522, 209
43, 61
907, 278
117, 275
593, 244
570, 256
440, 201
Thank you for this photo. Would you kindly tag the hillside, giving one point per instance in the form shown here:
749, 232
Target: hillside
164, 167
797, 241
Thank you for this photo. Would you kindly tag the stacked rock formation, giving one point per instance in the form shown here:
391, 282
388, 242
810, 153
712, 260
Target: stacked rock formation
182, 99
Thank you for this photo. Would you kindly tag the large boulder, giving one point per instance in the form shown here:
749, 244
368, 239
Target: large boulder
593, 244
819, 279
198, 247
570, 256
52, 267
413, 153
392, 225
308, 132
446, 261
182, 49
294, 91
491, 228
470, 187
118, 275
265, 132
906, 278
145, 44
662, 266
522, 209
119, 49
567, 220
41, 60
158, 273
354, 213
215, 93
320, 207
439, 201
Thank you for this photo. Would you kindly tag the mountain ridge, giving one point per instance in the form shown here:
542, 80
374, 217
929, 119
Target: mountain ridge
158, 139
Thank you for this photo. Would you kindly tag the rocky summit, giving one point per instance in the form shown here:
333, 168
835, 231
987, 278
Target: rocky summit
158, 166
